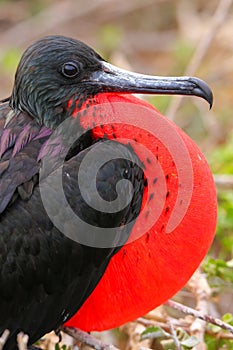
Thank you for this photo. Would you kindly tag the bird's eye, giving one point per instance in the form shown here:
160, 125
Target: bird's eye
70, 70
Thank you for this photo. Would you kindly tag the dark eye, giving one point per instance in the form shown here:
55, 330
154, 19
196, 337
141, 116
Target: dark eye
70, 70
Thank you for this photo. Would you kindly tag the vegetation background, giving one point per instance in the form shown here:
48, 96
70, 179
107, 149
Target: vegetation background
160, 37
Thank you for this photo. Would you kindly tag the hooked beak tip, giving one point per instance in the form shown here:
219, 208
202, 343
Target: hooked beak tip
203, 90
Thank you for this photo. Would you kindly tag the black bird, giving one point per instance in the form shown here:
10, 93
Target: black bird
46, 274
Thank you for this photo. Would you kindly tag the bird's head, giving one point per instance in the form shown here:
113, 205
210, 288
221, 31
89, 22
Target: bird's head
50, 72
57, 69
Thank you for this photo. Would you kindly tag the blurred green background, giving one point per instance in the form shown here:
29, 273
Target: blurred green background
160, 37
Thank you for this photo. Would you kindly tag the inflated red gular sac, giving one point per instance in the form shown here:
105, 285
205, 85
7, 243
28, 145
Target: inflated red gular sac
176, 226
107, 208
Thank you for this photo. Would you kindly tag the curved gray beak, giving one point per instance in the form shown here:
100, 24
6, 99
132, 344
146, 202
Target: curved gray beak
113, 79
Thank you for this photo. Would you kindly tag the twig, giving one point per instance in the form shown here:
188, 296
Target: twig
224, 182
87, 339
174, 336
184, 324
200, 288
189, 311
201, 49
176, 323
3, 338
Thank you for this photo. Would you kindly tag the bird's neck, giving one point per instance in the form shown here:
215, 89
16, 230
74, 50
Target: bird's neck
101, 114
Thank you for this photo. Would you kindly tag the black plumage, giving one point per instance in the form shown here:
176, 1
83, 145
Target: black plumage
45, 276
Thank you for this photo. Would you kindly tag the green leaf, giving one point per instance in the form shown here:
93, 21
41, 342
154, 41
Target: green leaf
190, 342
228, 318
57, 346
219, 268
61, 347
211, 342
154, 332
181, 334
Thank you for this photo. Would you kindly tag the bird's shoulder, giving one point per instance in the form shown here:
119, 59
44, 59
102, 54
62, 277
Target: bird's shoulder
21, 139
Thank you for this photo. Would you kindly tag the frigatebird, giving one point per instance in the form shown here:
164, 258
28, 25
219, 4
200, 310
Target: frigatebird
63, 89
